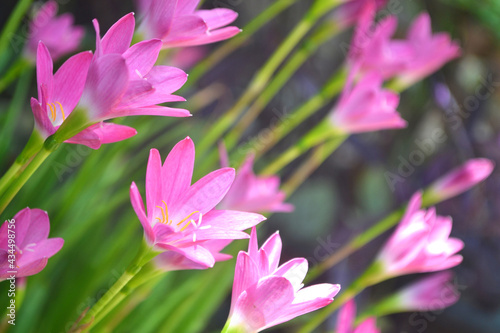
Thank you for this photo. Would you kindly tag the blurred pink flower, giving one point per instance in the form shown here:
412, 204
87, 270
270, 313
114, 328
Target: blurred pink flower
180, 217
421, 243
434, 292
461, 179
186, 58
58, 95
265, 295
346, 318
31, 245
349, 12
367, 107
57, 32
252, 193
407, 60
178, 23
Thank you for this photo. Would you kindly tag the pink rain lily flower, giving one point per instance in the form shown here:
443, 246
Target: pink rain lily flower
59, 93
178, 23
346, 318
252, 193
408, 60
434, 292
265, 294
180, 217
367, 107
121, 81
30, 244
461, 179
421, 243
57, 32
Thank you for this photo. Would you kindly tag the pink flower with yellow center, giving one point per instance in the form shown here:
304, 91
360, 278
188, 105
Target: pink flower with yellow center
180, 217
26, 237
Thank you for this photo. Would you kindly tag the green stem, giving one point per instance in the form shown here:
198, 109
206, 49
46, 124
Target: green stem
100, 309
48, 147
9, 176
324, 33
297, 117
320, 154
13, 23
259, 81
319, 134
234, 43
370, 277
13, 112
15, 70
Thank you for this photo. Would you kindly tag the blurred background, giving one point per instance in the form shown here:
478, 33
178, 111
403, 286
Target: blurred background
346, 195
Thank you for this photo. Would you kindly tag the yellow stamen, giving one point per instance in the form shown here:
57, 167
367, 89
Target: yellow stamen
166, 211
187, 217
62, 110
187, 224
52, 111
162, 214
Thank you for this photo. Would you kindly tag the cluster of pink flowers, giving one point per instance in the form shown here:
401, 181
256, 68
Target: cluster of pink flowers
180, 220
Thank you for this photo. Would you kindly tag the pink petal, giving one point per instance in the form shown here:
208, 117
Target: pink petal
217, 18
273, 246
345, 319
307, 300
220, 233
44, 70
212, 37
119, 36
141, 57
189, 26
38, 227
253, 246
154, 110
246, 274
367, 326
32, 268
177, 170
42, 120
294, 270
195, 253
69, 80
109, 132
159, 17
43, 249
233, 220
166, 79
205, 194
262, 304
138, 205
185, 7
106, 83
87, 137
153, 184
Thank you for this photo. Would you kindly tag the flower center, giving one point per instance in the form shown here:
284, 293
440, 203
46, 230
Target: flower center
53, 111
165, 220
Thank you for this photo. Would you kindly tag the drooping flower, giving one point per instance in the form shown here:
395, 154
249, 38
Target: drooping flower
180, 217
57, 32
265, 294
407, 60
178, 23
26, 236
461, 179
59, 93
434, 292
367, 107
421, 243
121, 81
252, 193
346, 318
